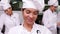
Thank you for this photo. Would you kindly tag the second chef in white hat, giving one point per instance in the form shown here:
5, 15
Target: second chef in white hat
8, 18
50, 16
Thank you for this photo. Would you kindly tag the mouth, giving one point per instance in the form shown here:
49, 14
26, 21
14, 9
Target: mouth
30, 20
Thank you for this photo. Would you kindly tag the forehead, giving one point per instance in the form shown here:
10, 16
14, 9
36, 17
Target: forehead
54, 6
31, 9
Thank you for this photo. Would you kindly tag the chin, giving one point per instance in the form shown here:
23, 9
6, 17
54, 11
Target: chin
30, 23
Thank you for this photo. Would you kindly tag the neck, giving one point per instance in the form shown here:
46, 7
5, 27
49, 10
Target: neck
28, 26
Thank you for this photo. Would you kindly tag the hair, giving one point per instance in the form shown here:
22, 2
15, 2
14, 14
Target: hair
22, 9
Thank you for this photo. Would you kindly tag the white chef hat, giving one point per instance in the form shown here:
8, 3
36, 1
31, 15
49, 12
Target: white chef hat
53, 2
28, 4
39, 4
1, 6
6, 6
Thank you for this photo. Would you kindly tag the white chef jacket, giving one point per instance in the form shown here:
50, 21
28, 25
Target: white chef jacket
50, 20
21, 30
5, 1
9, 21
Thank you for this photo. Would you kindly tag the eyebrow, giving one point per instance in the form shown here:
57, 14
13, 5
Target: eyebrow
27, 10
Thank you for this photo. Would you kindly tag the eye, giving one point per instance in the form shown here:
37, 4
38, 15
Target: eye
28, 12
35, 12
9, 8
6, 10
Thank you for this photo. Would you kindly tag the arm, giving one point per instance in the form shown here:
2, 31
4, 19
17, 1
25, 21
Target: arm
47, 31
17, 19
45, 20
11, 31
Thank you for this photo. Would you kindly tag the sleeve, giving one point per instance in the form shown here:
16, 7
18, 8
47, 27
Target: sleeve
45, 19
14, 30
11, 31
17, 19
1, 23
47, 31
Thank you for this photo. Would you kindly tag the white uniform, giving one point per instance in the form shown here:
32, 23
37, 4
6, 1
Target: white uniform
9, 21
36, 27
50, 20
5, 1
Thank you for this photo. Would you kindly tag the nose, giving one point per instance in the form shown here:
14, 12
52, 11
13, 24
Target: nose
31, 15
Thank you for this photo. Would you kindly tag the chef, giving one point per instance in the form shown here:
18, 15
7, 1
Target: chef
8, 18
50, 16
30, 13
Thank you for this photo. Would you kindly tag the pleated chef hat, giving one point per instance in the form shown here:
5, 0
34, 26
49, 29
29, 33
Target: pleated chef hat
53, 2
39, 4
6, 6
36, 4
28, 4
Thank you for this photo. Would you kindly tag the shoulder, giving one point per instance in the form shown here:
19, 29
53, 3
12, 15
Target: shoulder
40, 26
43, 29
16, 14
46, 11
3, 14
15, 30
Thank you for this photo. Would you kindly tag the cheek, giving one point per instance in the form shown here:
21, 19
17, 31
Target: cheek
54, 8
10, 11
25, 15
35, 17
6, 12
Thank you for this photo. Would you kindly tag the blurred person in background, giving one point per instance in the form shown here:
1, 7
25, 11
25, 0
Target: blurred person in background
50, 16
8, 18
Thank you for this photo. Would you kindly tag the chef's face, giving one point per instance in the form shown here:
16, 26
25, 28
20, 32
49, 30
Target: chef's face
8, 11
54, 8
29, 15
